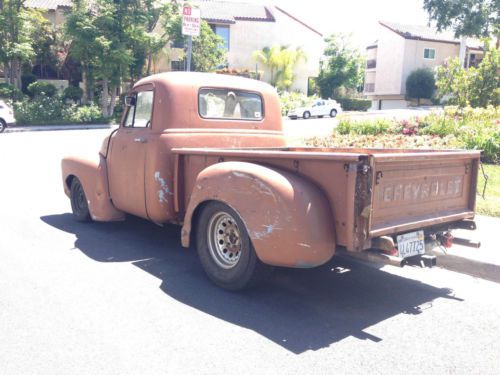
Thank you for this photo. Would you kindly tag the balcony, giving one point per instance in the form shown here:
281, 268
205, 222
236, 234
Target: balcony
371, 64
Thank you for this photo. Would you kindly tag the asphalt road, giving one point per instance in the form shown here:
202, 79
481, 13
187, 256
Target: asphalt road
125, 298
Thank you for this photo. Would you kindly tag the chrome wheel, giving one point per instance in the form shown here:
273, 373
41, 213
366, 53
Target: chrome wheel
224, 240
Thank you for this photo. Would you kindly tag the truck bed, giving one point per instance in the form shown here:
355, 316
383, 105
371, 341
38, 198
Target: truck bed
372, 192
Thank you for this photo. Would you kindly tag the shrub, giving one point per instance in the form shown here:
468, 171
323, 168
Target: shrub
290, 100
349, 104
385, 141
469, 128
420, 84
73, 93
363, 127
40, 109
10, 92
42, 89
85, 114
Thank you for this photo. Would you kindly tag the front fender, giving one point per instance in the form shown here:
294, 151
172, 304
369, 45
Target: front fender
93, 174
288, 218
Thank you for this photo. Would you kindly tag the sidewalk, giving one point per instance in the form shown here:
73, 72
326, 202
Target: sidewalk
38, 128
482, 262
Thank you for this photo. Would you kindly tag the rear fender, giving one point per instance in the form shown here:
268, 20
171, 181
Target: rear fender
93, 175
288, 218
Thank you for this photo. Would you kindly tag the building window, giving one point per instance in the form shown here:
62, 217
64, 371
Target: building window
176, 66
223, 32
371, 64
429, 53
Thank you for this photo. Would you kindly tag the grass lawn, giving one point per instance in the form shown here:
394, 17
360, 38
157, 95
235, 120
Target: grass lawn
491, 205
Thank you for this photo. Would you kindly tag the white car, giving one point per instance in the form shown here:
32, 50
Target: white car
6, 116
320, 108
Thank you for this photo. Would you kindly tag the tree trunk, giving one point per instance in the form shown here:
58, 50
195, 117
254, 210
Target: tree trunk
86, 85
112, 103
150, 59
104, 98
15, 73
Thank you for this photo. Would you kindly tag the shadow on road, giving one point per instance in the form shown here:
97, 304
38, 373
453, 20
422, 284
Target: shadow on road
297, 309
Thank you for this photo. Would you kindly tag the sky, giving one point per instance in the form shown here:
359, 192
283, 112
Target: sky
359, 17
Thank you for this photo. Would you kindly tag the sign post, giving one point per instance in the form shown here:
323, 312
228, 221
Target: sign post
191, 22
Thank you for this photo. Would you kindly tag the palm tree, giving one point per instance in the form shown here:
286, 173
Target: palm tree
281, 62
289, 58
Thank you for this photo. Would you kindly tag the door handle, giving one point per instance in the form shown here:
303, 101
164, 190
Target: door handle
140, 140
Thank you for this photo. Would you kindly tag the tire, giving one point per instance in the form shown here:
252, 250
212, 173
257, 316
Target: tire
3, 126
320, 116
333, 113
79, 204
225, 249
306, 115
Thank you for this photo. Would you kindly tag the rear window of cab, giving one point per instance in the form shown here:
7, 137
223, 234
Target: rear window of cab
229, 104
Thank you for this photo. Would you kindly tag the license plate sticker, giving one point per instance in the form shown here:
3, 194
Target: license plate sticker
411, 244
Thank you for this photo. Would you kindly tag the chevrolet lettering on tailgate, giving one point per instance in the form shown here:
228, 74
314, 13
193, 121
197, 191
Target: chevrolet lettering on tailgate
417, 191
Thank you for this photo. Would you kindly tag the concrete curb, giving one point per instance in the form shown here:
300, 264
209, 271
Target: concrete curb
38, 128
471, 267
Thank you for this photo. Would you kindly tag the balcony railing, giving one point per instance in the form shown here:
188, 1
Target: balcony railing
369, 87
371, 64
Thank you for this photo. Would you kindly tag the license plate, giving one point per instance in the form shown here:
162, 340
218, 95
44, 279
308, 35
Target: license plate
411, 244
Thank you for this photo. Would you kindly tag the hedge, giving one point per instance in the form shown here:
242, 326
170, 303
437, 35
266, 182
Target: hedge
349, 104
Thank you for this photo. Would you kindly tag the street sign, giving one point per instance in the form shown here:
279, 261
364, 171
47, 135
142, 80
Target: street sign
191, 20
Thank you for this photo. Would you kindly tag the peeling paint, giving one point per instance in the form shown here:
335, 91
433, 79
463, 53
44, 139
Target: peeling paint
164, 191
269, 229
303, 244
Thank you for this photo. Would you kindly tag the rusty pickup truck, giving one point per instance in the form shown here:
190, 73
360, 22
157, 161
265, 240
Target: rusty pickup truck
207, 152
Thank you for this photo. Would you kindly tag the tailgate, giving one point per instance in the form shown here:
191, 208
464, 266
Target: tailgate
414, 190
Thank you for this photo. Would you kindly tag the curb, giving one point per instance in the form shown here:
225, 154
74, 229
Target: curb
471, 267
38, 128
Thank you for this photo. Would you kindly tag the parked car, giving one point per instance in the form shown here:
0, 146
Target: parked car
6, 116
319, 108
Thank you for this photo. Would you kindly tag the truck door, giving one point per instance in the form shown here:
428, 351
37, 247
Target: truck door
127, 156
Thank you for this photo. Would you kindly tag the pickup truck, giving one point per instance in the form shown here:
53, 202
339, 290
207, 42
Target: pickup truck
207, 152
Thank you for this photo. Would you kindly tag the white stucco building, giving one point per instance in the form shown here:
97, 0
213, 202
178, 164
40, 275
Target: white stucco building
402, 49
250, 27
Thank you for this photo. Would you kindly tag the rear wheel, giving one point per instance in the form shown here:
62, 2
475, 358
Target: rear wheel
79, 204
306, 115
3, 125
225, 250
333, 113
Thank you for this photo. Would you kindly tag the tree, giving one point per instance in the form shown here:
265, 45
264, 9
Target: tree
341, 66
472, 18
485, 81
208, 52
113, 40
270, 57
16, 31
467, 18
478, 87
281, 61
420, 84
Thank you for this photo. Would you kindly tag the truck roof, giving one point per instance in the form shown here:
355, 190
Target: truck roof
176, 101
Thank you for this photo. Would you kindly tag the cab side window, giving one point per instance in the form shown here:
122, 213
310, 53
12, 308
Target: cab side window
139, 112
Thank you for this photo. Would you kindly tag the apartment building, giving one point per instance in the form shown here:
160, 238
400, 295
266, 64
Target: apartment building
399, 50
